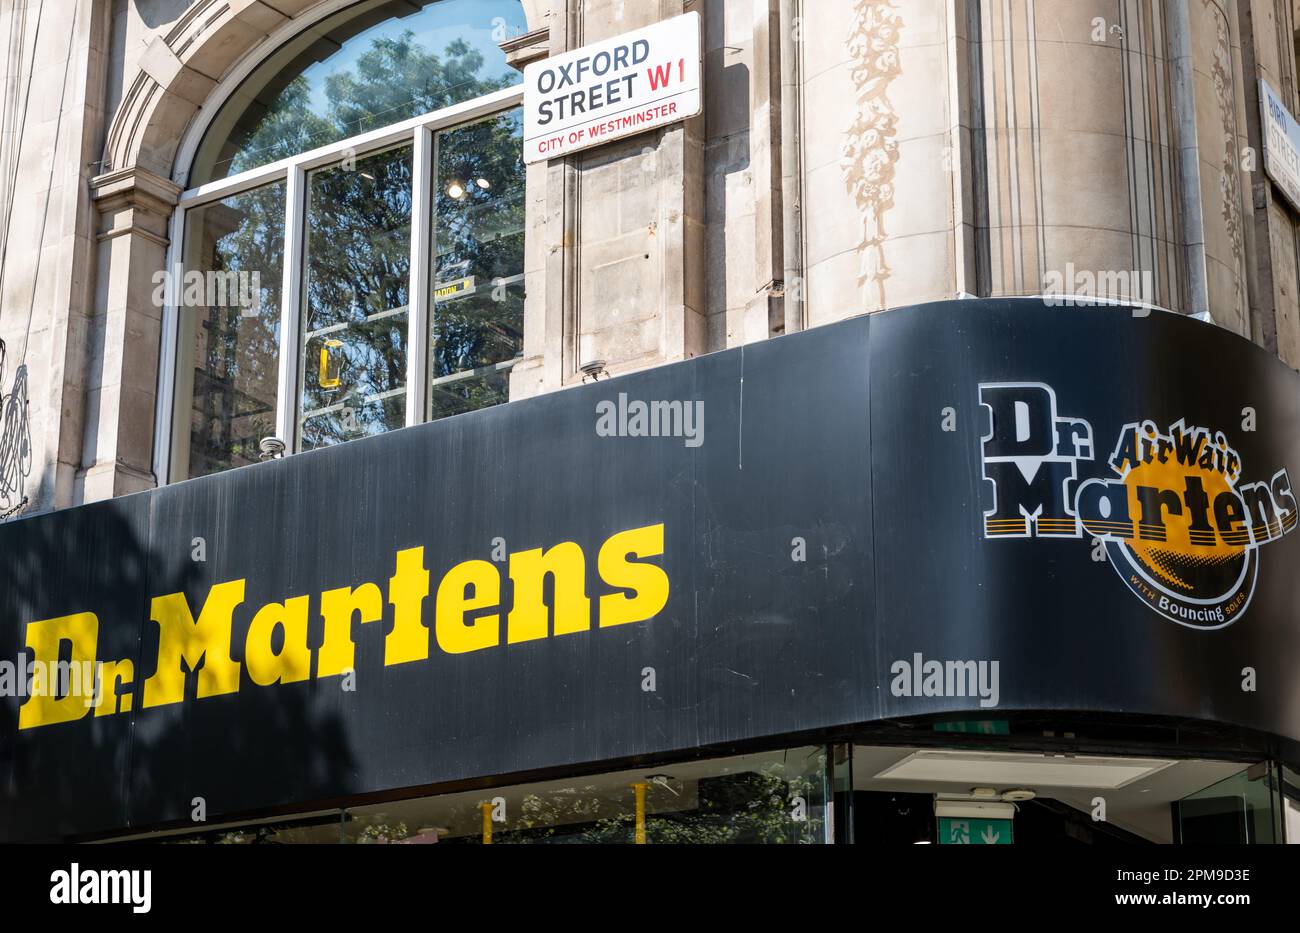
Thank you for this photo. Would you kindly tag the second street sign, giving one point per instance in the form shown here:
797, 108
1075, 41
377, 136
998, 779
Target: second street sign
631, 83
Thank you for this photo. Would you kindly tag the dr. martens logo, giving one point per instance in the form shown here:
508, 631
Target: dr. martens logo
1177, 523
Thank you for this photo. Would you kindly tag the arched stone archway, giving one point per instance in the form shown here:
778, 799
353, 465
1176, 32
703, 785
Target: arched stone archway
181, 69
177, 76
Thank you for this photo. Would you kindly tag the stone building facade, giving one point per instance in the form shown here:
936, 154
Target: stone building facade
237, 231
852, 156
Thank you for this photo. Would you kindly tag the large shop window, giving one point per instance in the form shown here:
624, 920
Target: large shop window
350, 250
898, 795
774, 798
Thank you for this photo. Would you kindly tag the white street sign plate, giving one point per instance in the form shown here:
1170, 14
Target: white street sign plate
1281, 144
612, 89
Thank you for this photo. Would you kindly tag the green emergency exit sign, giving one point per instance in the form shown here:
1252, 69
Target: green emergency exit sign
955, 831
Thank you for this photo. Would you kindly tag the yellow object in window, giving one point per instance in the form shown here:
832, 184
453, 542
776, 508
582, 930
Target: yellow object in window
639, 788
329, 366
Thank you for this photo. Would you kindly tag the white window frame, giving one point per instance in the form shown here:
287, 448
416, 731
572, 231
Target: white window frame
419, 132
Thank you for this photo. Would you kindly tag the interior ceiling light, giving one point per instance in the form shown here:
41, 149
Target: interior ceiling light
1002, 769
456, 190
483, 183
965, 808
1015, 795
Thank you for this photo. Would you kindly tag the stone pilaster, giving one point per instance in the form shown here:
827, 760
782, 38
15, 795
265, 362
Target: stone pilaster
135, 208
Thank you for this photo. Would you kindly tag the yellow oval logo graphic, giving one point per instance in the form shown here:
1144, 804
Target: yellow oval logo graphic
1190, 556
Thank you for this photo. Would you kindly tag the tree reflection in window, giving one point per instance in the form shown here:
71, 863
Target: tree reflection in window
777, 797
478, 306
753, 807
355, 305
369, 66
228, 374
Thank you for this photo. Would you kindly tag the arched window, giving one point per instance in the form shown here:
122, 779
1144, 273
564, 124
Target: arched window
348, 258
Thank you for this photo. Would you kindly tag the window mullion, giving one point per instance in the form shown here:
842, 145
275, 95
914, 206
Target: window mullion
417, 343
286, 402
169, 352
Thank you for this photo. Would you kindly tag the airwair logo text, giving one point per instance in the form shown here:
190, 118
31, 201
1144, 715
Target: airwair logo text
310, 636
1178, 522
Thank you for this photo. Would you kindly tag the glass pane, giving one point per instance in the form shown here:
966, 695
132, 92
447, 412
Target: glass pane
772, 797
1291, 805
228, 303
973, 794
1238, 809
315, 829
371, 65
478, 284
358, 249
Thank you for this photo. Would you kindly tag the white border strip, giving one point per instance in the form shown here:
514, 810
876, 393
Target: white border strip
286, 392
417, 335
